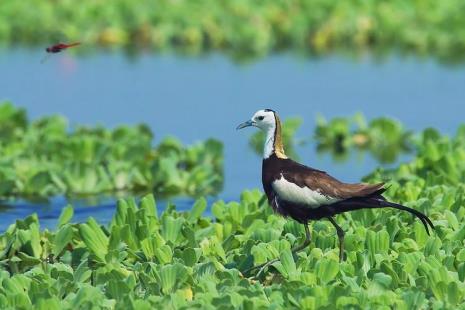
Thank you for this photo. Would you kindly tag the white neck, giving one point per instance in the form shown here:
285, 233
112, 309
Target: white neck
269, 142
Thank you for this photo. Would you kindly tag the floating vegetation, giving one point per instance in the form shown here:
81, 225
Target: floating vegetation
243, 27
147, 259
440, 160
45, 157
383, 137
185, 260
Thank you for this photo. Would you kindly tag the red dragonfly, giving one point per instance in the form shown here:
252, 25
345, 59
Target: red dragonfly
57, 48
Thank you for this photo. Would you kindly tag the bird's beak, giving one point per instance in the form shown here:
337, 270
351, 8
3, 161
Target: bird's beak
245, 124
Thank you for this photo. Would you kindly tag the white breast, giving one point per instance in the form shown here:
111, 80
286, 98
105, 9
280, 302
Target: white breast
291, 192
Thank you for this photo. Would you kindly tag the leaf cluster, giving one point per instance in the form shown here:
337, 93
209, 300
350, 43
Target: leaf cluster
45, 157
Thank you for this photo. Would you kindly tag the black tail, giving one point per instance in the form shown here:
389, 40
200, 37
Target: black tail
374, 202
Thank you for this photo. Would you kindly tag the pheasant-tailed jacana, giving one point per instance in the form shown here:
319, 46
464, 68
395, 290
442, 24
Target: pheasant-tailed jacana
303, 193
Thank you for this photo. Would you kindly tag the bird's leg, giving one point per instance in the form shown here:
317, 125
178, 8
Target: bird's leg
294, 250
340, 235
306, 242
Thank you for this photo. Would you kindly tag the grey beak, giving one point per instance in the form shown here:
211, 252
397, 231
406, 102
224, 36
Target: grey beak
245, 124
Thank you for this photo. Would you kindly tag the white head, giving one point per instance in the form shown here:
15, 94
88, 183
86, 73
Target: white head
268, 121
263, 119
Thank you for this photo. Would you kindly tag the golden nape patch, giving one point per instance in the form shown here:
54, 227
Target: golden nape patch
278, 140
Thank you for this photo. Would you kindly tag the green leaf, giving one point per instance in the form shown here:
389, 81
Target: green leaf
117, 289
62, 239
66, 215
164, 254
170, 276
171, 228
94, 238
326, 270
121, 212
190, 256
382, 279
196, 212
148, 204
288, 263
453, 293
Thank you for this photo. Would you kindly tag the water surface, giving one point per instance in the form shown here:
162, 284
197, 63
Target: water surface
201, 97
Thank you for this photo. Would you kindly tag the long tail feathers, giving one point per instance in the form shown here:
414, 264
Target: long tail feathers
378, 202
422, 217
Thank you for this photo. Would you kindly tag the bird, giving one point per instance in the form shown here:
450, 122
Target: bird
306, 194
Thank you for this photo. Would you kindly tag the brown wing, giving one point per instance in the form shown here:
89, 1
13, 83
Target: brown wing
325, 184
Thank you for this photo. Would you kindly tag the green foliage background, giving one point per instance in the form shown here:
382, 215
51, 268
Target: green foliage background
242, 27
144, 260
44, 158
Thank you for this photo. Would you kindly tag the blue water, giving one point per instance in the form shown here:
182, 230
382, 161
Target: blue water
201, 97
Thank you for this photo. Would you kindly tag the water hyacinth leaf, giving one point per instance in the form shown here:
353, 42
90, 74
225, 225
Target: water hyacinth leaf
94, 238
87, 295
461, 272
164, 254
382, 279
48, 304
121, 212
170, 275
439, 290
20, 301
432, 246
171, 228
237, 211
148, 204
218, 209
65, 216
30, 240
461, 255
190, 256
453, 293
265, 235
260, 254
83, 272
326, 270
127, 234
420, 234
212, 247
28, 260
16, 284
204, 271
117, 289
459, 234
150, 244
62, 239
377, 242
196, 212
289, 268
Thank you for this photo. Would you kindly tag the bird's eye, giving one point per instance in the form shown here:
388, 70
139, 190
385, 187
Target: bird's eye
260, 118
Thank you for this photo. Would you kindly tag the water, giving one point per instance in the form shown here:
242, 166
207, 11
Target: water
197, 98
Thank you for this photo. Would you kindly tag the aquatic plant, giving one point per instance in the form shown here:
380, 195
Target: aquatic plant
45, 158
242, 27
384, 138
147, 259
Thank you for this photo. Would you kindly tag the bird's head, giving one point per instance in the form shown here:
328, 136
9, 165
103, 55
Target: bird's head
268, 121
263, 119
